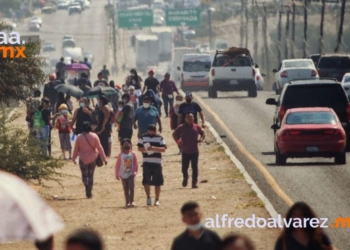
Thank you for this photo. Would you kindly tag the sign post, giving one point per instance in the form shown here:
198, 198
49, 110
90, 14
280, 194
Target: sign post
178, 17
135, 18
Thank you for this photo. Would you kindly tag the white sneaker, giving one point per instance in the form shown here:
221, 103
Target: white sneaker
149, 201
156, 203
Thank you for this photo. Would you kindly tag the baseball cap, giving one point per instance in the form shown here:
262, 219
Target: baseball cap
131, 87
167, 74
151, 72
146, 97
188, 94
152, 127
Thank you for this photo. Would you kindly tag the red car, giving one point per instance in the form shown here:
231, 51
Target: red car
310, 132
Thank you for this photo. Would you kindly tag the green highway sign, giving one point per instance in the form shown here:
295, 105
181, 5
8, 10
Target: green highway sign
135, 18
183, 17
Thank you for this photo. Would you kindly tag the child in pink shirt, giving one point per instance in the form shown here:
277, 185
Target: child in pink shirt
126, 169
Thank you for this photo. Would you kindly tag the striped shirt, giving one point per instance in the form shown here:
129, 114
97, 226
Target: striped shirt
154, 141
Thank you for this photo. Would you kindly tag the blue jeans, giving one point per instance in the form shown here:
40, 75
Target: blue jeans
43, 135
168, 102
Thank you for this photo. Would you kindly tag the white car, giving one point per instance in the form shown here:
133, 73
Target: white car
346, 83
37, 20
294, 69
86, 4
259, 79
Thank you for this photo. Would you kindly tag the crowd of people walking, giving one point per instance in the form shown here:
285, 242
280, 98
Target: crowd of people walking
139, 109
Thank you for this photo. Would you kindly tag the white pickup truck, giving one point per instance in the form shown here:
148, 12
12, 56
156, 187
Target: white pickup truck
232, 70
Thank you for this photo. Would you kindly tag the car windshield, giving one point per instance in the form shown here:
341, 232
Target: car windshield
298, 64
311, 118
315, 95
347, 79
222, 46
335, 62
196, 66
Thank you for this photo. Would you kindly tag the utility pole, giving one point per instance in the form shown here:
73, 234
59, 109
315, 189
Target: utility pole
114, 34
266, 48
255, 30
320, 50
210, 28
286, 52
279, 49
305, 29
340, 32
246, 25
242, 25
293, 32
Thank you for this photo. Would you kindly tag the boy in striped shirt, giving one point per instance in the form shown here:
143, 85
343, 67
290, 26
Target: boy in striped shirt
152, 145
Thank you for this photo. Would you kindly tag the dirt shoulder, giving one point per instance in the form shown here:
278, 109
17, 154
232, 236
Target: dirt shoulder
150, 227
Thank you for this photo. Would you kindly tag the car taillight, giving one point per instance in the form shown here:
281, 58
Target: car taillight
281, 113
314, 73
287, 134
213, 72
284, 74
348, 112
253, 72
258, 78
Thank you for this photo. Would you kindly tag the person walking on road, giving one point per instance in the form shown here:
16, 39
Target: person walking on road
191, 135
195, 237
84, 239
146, 115
134, 80
81, 115
60, 67
303, 236
104, 125
151, 83
101, 81
105, 72
174, 111
85, 147
126, 170
50, 92
152, 145
84, 79
64, 130
84, 85
32, 107
167, 89
127, 116
237, 242
190, 107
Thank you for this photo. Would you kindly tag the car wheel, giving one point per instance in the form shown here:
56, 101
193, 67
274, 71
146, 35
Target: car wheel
252, 91
280, 159
209, 92
340, 159
214, 92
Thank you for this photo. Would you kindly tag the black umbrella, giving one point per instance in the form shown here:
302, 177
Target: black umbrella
101, 90
70, 90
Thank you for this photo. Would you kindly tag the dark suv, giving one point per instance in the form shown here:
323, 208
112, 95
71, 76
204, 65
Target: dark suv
333, 66
312, 93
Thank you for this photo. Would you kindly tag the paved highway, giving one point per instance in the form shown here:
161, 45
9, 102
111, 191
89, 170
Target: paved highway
318, 181
89, 30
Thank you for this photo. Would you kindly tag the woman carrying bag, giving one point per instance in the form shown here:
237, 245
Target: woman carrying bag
86, 146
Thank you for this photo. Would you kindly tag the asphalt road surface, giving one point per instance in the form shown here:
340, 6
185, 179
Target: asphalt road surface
89, 30
319, 182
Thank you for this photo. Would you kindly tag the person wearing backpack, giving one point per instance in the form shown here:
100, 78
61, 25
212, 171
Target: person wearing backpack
41, 123
32, 106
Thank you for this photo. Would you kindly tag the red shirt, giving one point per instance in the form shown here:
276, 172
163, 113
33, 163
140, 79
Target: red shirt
189, 136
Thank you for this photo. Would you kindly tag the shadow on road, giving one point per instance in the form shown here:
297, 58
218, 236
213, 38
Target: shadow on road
268, 153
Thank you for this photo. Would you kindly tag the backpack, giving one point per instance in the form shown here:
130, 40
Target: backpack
38, 121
